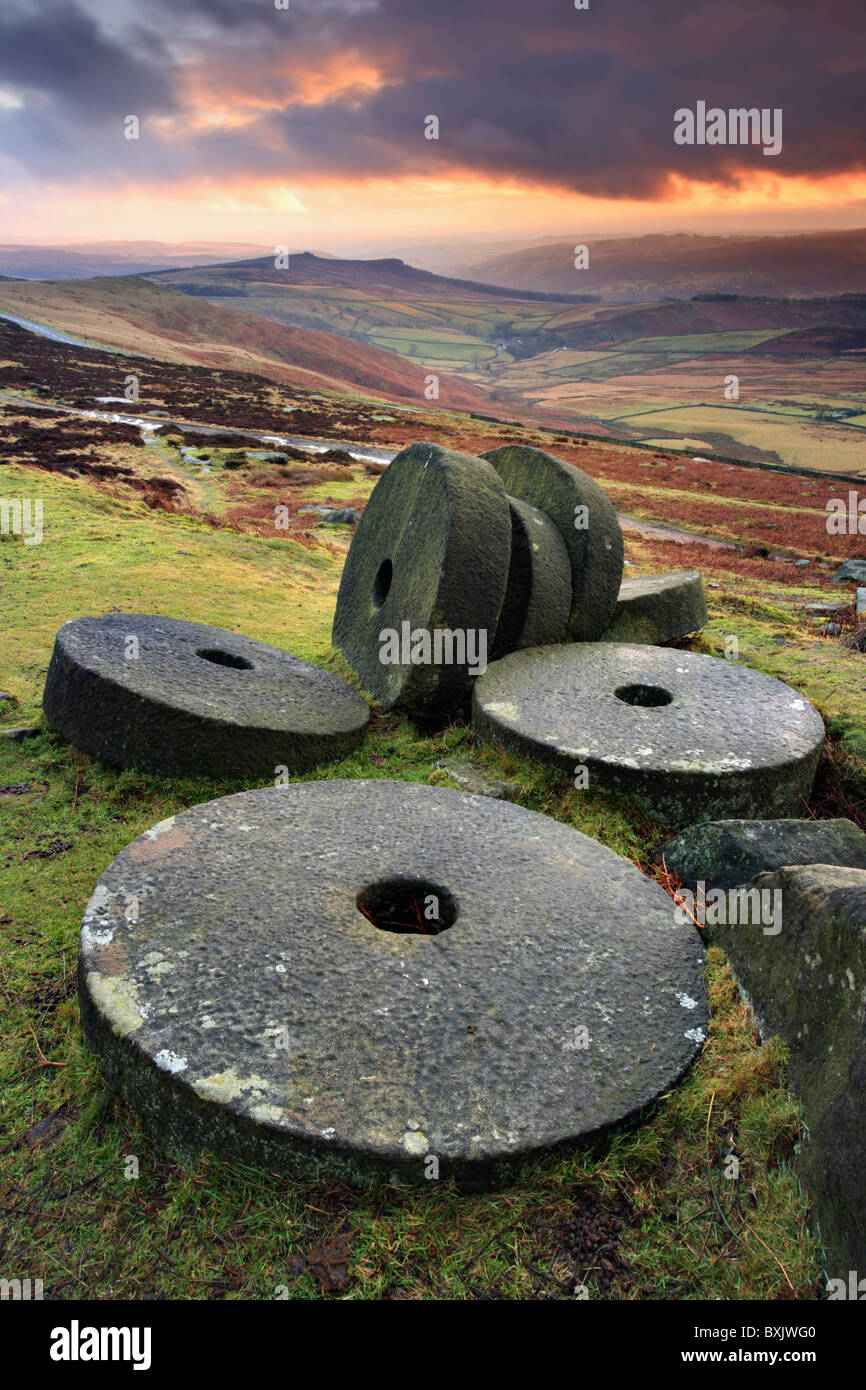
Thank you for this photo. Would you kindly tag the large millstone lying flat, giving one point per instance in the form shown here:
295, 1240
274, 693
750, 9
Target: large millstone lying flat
659, 608
186, 699
587, 522
692, 737
430, 556
234, 992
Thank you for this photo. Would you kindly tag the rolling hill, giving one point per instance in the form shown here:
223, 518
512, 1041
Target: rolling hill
137, 315
650, 267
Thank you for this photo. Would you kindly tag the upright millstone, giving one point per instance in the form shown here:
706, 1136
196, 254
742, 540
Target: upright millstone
587, 523
186, 699
349, 976
691, 737
537, 602
424, 580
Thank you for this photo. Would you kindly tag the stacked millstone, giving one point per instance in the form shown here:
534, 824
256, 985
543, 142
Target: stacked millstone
494, 554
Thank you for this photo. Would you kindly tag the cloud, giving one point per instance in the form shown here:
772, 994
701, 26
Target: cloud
531, 91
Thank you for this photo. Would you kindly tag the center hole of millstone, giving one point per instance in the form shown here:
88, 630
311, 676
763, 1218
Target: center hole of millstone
382, 583
221, 658
647, 696
412, 906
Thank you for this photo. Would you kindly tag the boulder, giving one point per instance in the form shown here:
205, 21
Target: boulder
726, 853
850, 571
806, 982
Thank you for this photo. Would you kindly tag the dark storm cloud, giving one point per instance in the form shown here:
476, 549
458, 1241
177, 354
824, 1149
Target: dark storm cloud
61, 53
531, 90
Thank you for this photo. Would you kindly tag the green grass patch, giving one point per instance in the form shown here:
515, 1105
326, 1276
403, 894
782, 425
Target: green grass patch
91, 1223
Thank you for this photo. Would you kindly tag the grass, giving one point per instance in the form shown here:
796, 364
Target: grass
90, 1221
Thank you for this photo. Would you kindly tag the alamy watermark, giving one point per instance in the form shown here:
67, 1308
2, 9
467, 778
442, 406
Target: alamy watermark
22, 517
20, 1290
440, 647
737, 126
846, 518
734, 907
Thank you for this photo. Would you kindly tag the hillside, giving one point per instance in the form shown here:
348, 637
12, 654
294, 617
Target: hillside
189, 532
652, 371
649, 267
137, 315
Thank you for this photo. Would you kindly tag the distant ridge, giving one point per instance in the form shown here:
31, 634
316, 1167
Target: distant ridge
309, 269
625, 269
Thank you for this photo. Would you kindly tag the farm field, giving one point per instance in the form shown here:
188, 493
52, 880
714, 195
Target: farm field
653, 372
606, 366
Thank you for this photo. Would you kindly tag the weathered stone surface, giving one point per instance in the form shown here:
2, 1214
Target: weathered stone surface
725, 853
808, 984
537, 601
345, 516
688, 735
195, 701
432, 551
595, 550
659, 608
850, 570
471, 777
234, 993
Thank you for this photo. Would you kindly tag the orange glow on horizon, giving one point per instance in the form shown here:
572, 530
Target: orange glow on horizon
329, 213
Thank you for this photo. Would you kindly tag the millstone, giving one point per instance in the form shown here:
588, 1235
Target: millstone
659, 608
236, 995
595, 549
430, 555
186, 699
537, 600
692, 737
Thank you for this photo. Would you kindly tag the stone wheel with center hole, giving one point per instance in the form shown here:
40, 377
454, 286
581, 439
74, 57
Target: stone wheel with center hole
187, 699
361, 974
692, 737
595, 546
430, 555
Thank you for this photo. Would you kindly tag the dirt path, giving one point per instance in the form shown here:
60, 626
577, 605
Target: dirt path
313, 446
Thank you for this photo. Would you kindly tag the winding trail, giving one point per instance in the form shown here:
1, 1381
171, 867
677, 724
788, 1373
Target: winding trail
54, 334
362, 453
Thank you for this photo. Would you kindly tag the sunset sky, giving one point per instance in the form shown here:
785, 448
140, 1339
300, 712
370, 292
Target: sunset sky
305, 126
